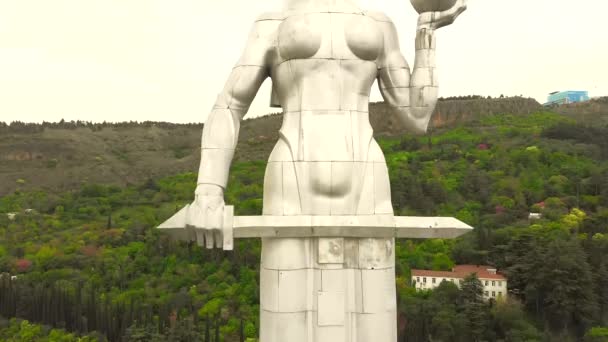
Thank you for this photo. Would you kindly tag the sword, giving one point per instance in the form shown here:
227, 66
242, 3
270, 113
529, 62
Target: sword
306, 226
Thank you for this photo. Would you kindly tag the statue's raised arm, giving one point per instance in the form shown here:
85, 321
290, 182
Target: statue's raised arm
221, 130
414, 95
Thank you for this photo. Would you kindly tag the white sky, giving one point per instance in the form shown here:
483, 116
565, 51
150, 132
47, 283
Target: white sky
166, 60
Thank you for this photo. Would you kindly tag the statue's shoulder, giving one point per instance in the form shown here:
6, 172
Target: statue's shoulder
271, 16
378, 16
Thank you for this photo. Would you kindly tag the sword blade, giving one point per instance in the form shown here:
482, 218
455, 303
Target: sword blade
303, 226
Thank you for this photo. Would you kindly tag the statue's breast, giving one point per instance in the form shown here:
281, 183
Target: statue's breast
363, 37
343, 36
300, 36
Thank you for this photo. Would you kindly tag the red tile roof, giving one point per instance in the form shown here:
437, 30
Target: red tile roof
461, 271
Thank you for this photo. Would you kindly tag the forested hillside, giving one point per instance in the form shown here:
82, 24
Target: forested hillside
90, 262
593, 112
63, 156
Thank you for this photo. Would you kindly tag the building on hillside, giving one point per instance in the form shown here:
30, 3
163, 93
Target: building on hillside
494, 283
565, 97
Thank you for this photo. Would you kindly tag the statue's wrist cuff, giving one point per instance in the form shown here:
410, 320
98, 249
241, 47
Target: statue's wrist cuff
208, 189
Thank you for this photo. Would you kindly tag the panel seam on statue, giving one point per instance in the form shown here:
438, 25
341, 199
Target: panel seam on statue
300, 199
310, 274
235, 128
395, 87
278, 40
424, 87
346, 160
248, 65
393, 68
260, 20
286, 312
282, 191
342, 87
353, 327
411, 107
299, 97
239, 110
362, 289
295, 172
278, 298
233, 85
321, 281
376, 268
317, 59
349, 286
331, 194
357, 166
364, 165
352, 139
405, 107
291, 269
309, 326
288, 143
374, 184
331, 35
319, 111
334, 12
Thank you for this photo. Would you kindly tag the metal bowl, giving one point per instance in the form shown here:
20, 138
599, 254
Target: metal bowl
432, 5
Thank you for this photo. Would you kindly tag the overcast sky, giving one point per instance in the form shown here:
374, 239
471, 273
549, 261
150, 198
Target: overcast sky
166, 60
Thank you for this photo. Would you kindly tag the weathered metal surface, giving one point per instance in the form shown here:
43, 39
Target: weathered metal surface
327, 229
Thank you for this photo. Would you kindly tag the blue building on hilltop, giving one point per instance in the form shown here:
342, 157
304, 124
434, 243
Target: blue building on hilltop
569, 96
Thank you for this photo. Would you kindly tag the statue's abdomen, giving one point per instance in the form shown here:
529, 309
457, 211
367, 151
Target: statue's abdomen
335, 170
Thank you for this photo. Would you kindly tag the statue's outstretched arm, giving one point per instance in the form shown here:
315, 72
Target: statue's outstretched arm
413, 94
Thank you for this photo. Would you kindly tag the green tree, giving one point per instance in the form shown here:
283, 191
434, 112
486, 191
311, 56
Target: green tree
511, 324
475, 309
597, 334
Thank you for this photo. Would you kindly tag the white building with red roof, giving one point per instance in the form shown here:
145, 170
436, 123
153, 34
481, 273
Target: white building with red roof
494, 283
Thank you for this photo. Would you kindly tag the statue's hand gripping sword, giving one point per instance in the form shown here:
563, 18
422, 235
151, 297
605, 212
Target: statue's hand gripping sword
180, 226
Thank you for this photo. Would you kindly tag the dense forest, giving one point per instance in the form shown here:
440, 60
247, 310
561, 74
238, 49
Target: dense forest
88, 265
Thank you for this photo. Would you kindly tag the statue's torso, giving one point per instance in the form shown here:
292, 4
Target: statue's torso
325, 61
323, 66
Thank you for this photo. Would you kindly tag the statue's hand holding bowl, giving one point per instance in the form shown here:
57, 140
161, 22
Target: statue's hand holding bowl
435, 14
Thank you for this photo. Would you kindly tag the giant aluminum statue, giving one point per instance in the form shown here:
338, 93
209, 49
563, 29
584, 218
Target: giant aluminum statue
327, 229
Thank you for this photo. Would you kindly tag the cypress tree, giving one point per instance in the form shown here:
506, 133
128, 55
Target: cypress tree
207, 330
242, 332
474, 307
217, 328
